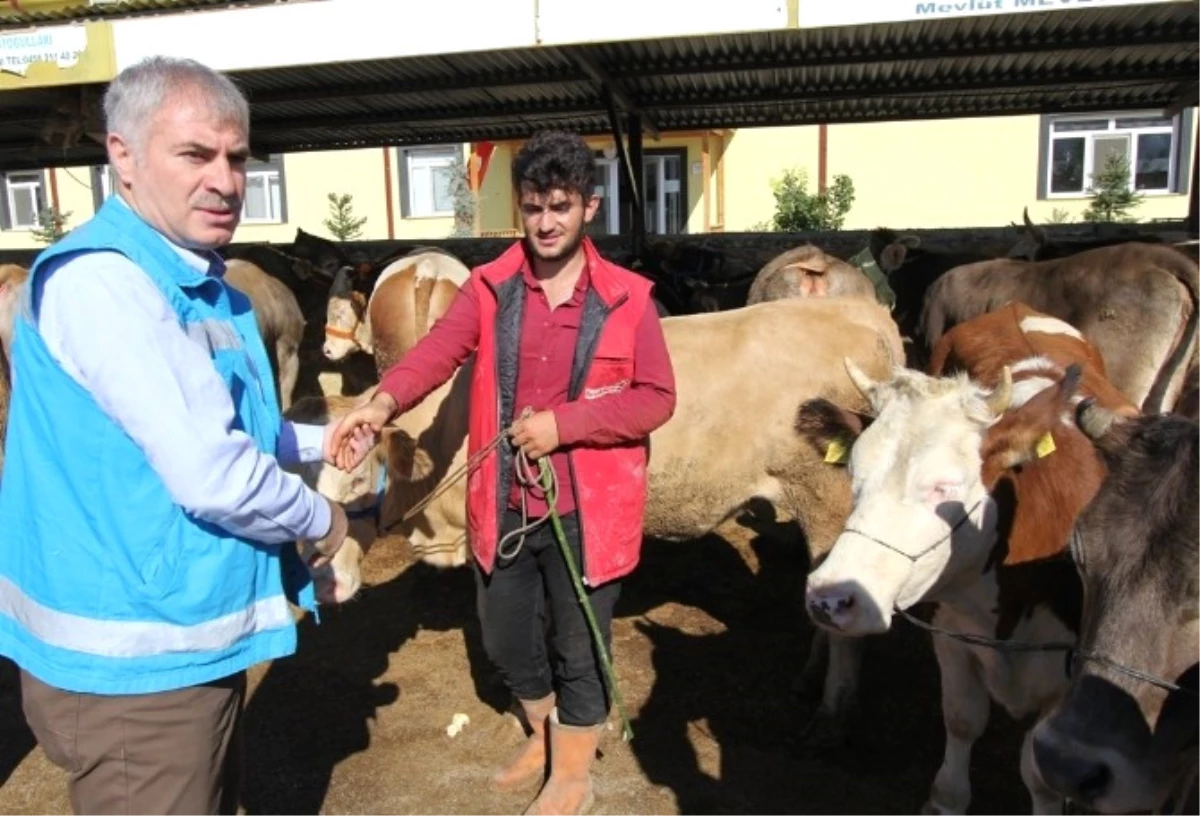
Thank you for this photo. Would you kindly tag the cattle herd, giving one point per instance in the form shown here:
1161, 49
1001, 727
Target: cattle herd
1010, 445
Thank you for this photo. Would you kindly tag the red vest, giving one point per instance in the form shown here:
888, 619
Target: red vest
610, 483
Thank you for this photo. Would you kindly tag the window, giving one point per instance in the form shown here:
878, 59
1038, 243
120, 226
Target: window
664, 199
104, 184
264, 202
23, 200
425, 177
1076, 148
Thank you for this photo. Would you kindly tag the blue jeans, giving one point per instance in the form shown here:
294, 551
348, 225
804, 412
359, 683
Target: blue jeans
536, 654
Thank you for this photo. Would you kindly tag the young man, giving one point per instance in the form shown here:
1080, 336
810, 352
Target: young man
148, 523
561, 331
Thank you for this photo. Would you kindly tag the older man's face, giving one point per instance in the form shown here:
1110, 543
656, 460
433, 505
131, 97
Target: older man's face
187, 174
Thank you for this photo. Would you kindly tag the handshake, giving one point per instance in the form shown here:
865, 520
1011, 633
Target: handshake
350, 439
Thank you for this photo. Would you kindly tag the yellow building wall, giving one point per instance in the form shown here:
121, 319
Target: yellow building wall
754, 159
954, 173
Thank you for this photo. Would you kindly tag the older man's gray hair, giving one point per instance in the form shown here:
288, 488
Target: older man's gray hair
136, 94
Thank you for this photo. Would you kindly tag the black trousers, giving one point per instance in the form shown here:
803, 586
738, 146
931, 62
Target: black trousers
534, 629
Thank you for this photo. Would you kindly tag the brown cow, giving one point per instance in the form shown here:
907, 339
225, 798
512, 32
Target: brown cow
965, 497
1136, 303
1118, 743
12, 284
707, 462
408, 297
280, 322
807, 272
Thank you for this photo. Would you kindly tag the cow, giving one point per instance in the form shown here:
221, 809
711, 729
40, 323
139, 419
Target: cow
965, 490
280, 322
407, 298
911, 269
1035, 245
1135, 303
707, 463
360, 492
12, 283
805, 272
1119, 743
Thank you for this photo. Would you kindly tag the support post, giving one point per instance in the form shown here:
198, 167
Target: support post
1193, 216
639, 171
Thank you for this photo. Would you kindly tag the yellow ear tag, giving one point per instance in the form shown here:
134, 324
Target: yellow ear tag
1045, 446
837, 453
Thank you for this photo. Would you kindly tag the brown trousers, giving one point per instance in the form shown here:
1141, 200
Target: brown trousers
171, 752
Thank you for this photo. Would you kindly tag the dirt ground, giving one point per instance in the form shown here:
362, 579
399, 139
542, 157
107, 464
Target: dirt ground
708, 637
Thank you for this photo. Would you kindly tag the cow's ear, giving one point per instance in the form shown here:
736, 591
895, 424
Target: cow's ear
830, 429
359, 300
362, 272
892, 256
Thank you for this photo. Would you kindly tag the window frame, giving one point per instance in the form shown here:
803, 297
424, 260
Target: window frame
1179, 128
405, 155
8, 204
273, 166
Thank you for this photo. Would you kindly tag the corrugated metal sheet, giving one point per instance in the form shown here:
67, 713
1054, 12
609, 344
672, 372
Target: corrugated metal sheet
1117, 58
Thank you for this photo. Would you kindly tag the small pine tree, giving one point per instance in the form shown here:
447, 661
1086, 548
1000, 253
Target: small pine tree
341, 222
52, 225
465, 205
797, 210
1112, 194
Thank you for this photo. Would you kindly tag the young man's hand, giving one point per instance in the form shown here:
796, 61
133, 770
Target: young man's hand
536, 435
348, 444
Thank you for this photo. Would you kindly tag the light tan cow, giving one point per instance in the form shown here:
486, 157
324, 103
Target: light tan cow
12, 283
280, 321
408, 297
741, 378
807, 272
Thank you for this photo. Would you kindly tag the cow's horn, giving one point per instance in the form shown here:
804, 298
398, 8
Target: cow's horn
861, 381
998, 401
1094, 419
342, 285
1037, 232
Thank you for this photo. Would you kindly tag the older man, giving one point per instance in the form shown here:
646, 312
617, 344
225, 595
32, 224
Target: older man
147, 559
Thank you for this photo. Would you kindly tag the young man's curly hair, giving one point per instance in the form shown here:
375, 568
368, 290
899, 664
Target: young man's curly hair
555, 159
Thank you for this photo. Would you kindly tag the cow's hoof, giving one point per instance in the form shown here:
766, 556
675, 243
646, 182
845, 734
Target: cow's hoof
824, 732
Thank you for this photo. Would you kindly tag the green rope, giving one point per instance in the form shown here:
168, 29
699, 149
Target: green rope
546, 476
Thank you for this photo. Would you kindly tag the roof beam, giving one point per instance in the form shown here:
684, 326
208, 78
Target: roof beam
815, 54
1078, 79
1187, 96
614, 88
386, 88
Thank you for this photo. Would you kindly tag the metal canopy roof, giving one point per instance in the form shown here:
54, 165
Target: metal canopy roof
1087, 59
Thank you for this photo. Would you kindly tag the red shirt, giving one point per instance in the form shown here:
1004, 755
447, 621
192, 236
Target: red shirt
547, 350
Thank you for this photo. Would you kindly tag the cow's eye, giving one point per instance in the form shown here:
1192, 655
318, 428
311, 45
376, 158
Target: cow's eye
944, 492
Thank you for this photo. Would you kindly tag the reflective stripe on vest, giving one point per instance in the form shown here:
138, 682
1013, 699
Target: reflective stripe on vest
111, 638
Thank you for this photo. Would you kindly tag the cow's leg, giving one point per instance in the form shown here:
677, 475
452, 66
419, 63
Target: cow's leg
965, 707
1045, 800
289, 369
830, 726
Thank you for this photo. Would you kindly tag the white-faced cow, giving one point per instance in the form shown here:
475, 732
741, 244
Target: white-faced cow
965, 490
1119, 742
406, 299
807, 272
707, 462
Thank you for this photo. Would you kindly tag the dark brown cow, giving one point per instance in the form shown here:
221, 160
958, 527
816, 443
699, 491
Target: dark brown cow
1135, 303
280, 322
807, 272
1117, 743
965, 493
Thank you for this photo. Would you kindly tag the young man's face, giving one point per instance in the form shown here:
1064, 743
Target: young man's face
554, 221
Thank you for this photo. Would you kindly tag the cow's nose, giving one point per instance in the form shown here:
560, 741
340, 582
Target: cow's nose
1069, 767
328, 351
831, 606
